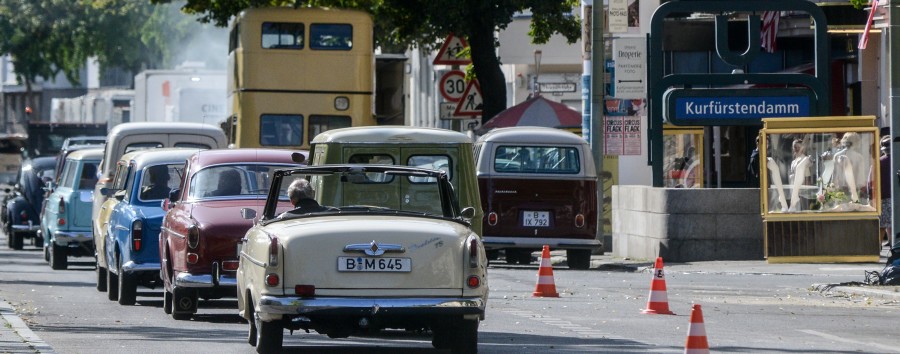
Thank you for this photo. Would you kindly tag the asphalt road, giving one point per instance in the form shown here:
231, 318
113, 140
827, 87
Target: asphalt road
747, 307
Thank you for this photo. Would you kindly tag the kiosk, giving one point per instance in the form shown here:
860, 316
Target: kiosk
683, 157
819, 196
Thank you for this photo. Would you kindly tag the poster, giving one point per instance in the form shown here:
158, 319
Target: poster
622, 127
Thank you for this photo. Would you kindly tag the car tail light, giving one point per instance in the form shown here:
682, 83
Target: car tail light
305, 290
473, 252
192, 258
579, 220
24, 216
473, 281
137, 234
62, 205
230, 265
193, 237
492, 218
273, 252
60, 221
272, 279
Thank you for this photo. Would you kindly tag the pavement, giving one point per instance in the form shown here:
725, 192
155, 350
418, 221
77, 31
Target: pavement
16, 337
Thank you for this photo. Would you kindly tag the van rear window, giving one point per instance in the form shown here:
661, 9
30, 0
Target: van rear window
537, 159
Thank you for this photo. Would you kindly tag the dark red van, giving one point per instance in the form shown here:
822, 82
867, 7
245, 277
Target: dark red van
538, 187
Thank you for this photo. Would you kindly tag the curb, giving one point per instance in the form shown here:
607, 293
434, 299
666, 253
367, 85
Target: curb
19, 327
860, 289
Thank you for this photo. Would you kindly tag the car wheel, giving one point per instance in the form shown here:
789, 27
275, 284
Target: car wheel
127, 286
184, 303
493, 255
442, 338
578, 259
112, 290
167, 302
465, 338
58, 258
101, 278
269, 336
46, 254
251, 324
17, 240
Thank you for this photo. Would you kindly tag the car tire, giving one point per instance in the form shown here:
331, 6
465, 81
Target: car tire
58, 257
269, 336
184, 303
17, 240
578, 259
167, 302
112, 292
493, 255
127, 287
442, 338
251, 325
101, 278
47, 254
465, 338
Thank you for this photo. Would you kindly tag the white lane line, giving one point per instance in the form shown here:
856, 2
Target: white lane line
889, 348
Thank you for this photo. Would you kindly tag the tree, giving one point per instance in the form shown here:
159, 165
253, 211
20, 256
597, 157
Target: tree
400, 24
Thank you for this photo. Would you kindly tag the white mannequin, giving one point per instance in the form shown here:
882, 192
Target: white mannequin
849, 162
799, 167
775, 176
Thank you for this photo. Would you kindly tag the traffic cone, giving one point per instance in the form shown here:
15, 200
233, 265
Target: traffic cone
658, 302
696, 340
545, 285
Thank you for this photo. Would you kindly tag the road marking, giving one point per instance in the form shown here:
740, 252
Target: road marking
889, 348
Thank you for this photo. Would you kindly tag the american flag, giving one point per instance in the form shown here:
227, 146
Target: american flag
769, 30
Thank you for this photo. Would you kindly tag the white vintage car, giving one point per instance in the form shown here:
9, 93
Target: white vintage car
388, 248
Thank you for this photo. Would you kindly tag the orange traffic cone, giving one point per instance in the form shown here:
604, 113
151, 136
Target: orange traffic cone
658, 302
545, 285
696, 339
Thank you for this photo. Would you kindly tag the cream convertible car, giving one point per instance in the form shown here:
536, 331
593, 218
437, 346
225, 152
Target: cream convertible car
388, 249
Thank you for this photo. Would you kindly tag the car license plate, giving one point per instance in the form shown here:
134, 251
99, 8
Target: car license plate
372, 264
536, 219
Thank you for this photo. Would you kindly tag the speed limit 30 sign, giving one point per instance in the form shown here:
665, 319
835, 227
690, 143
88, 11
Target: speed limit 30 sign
453, 85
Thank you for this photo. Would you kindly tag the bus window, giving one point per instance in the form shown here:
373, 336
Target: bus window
280, 35
330, 36
234, 38
318, 124
280, 130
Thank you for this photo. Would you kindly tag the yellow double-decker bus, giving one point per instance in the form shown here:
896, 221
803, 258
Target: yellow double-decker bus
294, 73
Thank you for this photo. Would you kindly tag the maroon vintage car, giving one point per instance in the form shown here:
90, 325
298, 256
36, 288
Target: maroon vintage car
200, 233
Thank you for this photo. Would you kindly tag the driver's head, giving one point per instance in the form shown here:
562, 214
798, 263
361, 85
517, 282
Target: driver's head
300, 189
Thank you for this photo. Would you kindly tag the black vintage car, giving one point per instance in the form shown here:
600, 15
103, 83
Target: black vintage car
22, 205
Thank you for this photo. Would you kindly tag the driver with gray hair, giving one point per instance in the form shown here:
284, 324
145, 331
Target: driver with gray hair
302, 196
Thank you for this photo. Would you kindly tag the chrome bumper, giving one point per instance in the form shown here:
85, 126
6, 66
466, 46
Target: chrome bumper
28, 228
272, 308
131, 267
188, 280
497, 242
64, 238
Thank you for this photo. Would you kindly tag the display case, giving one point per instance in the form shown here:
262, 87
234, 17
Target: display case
683, 157
819, 180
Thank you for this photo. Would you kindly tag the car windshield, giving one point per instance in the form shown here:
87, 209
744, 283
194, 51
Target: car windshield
234, 181
369, 189
158, 180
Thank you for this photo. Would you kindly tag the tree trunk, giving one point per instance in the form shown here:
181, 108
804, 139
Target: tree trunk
487, 67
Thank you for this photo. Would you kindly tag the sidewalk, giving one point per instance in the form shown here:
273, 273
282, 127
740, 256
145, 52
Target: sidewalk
15, 336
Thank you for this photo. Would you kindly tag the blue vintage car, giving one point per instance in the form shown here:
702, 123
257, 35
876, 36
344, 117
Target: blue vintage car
22, 208
131, 250
66, 220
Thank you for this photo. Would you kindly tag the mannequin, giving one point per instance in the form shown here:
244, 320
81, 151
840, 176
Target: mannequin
799, 172
852, 166
775, 176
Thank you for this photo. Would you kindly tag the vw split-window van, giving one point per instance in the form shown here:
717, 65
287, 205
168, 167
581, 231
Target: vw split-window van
538, 187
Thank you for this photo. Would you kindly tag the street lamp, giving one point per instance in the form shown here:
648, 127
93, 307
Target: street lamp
536, 89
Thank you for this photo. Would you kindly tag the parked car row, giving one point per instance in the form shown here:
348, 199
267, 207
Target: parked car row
381, 230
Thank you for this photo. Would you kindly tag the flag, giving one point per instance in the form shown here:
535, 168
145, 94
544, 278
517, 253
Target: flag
865, 36
769, 30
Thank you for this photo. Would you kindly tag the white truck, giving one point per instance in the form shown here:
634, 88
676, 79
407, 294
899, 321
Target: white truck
180, 95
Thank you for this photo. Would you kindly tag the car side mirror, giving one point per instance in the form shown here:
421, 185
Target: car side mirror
248, 213
104, 191
174, 195
120, 195
298, 157
467, 213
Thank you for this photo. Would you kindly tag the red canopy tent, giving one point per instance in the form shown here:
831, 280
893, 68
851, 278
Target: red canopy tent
538, 112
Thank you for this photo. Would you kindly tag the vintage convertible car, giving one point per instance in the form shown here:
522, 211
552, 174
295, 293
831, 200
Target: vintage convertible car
66, 220
202, 226
22, 206
130, 251
369, 258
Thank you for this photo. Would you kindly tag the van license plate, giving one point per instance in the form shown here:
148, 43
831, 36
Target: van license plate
536, 219
371, 264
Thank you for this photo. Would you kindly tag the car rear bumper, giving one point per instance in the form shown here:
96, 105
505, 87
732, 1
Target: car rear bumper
131, 267
63, 238
499, 242
272, 308
188, 280
26, 228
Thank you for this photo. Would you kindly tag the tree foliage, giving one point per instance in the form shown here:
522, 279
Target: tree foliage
401, 24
